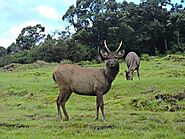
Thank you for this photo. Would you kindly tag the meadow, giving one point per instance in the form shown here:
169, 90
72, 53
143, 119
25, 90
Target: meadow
152, 107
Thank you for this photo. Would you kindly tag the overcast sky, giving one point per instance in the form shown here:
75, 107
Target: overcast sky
17, 14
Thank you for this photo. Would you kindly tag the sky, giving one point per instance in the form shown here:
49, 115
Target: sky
17, 14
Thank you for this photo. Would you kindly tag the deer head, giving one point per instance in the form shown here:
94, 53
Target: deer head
112, 57
129, 74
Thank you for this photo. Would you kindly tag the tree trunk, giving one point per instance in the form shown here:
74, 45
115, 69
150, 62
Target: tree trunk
165, 45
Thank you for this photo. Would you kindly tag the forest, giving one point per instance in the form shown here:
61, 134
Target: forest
153, 27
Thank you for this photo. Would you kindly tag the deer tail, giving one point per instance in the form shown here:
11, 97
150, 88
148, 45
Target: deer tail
54, 77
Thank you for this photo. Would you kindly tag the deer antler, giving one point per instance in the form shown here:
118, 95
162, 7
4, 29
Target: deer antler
119, 47
105, 44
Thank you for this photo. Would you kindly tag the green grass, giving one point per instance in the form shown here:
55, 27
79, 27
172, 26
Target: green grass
28, 109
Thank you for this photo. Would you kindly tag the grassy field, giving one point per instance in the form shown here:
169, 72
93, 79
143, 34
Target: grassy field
152, 107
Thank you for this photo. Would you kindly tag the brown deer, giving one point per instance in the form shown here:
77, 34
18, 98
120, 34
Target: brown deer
87, 81
133, 62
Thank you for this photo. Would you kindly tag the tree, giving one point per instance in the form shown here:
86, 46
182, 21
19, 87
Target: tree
97, 20
13, 48
176, 29
148, 21
30, 36
2, 51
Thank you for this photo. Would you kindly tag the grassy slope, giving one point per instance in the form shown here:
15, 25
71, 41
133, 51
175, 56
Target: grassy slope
28, 109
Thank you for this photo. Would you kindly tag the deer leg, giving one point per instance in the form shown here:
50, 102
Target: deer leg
102, 109
63, 102
97, 108
58, 101
100, 104
138, 73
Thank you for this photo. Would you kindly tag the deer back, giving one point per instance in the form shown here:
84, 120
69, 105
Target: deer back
81, 80
132, 61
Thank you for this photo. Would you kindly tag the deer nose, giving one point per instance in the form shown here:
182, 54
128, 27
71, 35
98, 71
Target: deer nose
111, 63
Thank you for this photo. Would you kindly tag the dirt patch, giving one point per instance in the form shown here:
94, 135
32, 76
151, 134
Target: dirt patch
37, 117
151, 90
13, 92
14, 125
138, 104
170, 98
159, 102
10, 67
102, 127
170, 102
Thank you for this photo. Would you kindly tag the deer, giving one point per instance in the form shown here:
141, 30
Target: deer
133, 63
87, 81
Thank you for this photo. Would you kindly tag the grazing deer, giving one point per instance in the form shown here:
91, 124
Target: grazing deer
87, 81
133, 62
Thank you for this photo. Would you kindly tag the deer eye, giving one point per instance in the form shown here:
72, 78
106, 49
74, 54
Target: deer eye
116, 57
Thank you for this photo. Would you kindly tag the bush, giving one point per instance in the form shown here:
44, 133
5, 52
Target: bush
67, 61
78, 52
20, 57
178, 48
145, 57
175, 58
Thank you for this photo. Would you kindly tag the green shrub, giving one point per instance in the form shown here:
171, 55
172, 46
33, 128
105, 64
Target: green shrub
66, 61
145, 57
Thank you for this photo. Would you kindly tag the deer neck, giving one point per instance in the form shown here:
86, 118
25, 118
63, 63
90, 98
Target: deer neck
111, 72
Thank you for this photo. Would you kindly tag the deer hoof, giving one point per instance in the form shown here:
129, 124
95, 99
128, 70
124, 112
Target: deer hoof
96, 119
103, 120
66, 119
58, 117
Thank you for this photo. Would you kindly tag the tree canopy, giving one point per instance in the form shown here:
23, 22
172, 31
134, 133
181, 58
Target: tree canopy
146, 28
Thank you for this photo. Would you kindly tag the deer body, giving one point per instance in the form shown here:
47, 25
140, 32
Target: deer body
133, 62
86, 81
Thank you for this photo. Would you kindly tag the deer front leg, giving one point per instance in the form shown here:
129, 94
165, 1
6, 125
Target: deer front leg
99, 104
97, 108
102, 109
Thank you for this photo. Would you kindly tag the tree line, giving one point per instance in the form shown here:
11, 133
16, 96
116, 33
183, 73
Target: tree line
146, 28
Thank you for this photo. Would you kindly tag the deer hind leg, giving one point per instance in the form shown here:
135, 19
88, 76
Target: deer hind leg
138, 73
58, 101
61, 100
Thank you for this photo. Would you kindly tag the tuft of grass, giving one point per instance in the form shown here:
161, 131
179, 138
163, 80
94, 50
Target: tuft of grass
175, 58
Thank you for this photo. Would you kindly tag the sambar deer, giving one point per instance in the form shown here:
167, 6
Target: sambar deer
133, 62
87, 81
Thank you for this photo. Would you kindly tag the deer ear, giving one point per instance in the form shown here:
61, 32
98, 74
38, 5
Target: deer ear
121, 53
104, 54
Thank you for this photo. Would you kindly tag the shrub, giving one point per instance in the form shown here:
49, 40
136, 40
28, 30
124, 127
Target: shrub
145, 57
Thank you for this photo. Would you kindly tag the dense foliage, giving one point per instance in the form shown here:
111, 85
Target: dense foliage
2, 51
147, 28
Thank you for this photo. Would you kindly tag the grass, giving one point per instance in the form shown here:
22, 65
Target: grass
152, 107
